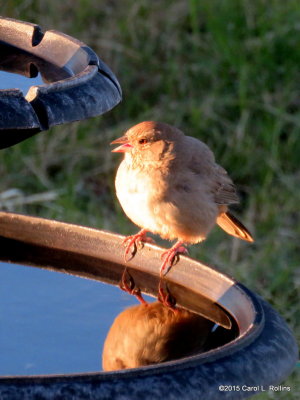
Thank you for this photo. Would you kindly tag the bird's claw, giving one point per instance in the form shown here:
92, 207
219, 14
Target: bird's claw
134, 243
170, 257
131, 247
165, 297
127, 284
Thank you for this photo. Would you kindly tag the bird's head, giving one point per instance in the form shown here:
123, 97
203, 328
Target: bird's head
149, 142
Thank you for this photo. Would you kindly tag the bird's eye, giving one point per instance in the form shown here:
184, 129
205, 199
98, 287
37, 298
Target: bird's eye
143, 141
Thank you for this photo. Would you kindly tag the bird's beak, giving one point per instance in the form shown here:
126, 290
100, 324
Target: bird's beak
125, 146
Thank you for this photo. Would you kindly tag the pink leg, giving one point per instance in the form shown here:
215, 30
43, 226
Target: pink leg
170, 255
165, 297
127, 284
133, 241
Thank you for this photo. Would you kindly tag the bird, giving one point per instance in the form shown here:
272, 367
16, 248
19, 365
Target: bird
169, 184
150, 334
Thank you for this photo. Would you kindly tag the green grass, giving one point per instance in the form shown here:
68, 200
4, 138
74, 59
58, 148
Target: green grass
226, 72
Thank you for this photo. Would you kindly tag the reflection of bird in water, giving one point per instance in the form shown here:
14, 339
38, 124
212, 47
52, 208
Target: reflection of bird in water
150, 334
170, 184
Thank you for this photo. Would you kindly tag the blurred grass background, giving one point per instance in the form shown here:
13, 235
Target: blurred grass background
225, 72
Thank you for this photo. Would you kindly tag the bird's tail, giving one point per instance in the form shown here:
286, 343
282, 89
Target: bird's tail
234, 227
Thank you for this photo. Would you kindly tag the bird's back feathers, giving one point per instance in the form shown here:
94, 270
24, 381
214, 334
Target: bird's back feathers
202, 163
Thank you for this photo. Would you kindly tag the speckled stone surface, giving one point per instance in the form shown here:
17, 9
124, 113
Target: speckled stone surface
266, 361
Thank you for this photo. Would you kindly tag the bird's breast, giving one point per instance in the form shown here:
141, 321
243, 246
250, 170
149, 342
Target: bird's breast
135, 191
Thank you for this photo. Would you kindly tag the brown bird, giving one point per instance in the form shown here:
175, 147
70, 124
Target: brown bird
150, 334
169, 184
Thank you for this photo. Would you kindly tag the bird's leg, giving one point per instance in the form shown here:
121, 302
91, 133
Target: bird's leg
171, 255
132, 243
127, 284
165, 297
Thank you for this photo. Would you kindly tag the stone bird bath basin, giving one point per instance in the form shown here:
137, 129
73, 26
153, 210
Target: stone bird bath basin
258, 349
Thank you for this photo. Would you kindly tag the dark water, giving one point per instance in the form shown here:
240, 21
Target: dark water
52, 322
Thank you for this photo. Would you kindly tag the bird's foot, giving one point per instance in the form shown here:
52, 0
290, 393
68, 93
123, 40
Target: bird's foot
134, 242
170, 256
127, 284
165, 297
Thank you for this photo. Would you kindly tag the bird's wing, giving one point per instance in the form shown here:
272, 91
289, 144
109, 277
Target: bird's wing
202, 163
224, 190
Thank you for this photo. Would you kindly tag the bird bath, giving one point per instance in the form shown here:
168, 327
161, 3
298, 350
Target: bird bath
259, 350
53, 78
61, 80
